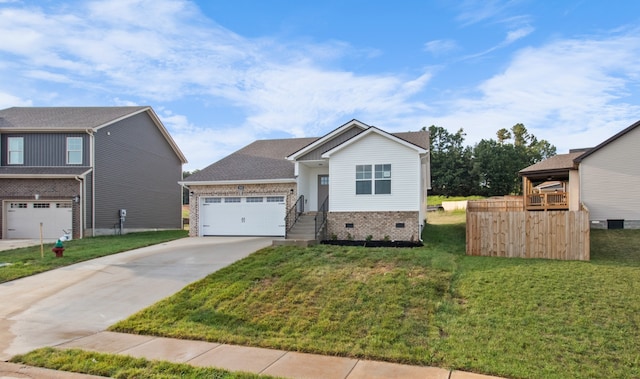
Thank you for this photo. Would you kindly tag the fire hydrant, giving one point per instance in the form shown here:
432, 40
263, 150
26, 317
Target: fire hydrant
58, 248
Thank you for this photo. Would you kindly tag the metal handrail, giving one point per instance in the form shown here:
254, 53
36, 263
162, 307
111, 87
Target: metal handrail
294, 213
321, 220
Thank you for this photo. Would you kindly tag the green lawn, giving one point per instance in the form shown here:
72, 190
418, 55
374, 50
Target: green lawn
29, 260
121, 366
427, 306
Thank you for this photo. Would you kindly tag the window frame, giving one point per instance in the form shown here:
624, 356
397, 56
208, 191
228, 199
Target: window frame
364, 175
11, 151
380, 176
373, 179
69, 151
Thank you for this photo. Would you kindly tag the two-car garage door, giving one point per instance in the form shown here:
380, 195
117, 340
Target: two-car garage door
242, 216
23, 219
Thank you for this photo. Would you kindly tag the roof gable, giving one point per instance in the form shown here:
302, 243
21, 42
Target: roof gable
325, 141
374, 130
76, 119
608, 141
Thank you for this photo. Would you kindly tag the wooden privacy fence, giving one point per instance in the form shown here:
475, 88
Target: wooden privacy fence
551, 235
500, 204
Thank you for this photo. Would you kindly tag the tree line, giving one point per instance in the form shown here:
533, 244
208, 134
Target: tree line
490, 168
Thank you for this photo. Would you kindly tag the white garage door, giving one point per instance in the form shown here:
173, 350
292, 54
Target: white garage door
243, 216
23, 218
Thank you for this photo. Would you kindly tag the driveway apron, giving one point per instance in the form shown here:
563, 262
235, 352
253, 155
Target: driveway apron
82, 299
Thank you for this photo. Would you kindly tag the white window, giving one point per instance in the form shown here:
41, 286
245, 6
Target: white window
212, 200
363, 179
16, 150
74, 150
275, 199
254, 199
383, 179
378, 181
231, 199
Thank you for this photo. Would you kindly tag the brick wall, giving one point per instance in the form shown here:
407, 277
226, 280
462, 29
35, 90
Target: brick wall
397, 226
48, 189
196, 192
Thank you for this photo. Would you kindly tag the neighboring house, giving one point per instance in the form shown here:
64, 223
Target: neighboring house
368, 183
75, 168
604, 178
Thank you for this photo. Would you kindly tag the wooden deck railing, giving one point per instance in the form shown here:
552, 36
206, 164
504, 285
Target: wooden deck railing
547, 201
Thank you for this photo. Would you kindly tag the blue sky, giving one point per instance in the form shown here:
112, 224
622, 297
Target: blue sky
221, 74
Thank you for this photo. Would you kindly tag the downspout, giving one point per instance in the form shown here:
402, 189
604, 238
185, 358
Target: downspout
81, 193
92, 155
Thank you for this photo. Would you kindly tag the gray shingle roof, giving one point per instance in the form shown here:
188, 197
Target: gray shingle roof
67, 118
266, 159
261, 160
560, 162
420, 138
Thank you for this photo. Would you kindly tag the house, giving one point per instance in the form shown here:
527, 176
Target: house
357, 181
88, 171
603, 178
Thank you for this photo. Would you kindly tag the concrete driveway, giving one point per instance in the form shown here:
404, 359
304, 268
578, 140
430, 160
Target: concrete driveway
82, 299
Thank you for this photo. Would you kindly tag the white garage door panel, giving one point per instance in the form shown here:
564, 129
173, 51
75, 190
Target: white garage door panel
238, 216
23, 219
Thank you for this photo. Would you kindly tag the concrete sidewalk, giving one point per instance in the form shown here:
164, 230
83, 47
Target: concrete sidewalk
257, 360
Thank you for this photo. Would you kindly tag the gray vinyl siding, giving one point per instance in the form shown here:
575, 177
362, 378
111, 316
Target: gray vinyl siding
316, 153
47, 150
88, 202
610, 178
136, 169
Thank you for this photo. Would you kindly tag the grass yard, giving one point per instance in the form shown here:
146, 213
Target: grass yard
121, 366
427, 306
28, 260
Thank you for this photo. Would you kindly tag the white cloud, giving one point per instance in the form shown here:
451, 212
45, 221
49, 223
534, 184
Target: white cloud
515, 35
440, 46
570, 92
8, 100
511, 37
475, 11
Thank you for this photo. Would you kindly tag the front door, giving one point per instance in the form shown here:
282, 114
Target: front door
323, 189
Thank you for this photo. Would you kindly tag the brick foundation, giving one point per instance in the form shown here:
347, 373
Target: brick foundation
396, 226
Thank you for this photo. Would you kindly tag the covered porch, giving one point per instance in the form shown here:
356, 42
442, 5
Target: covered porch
552, 185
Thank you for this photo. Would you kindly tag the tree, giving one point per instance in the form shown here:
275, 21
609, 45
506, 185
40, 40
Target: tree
503, 135
496, 166
496, 163
450, 163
